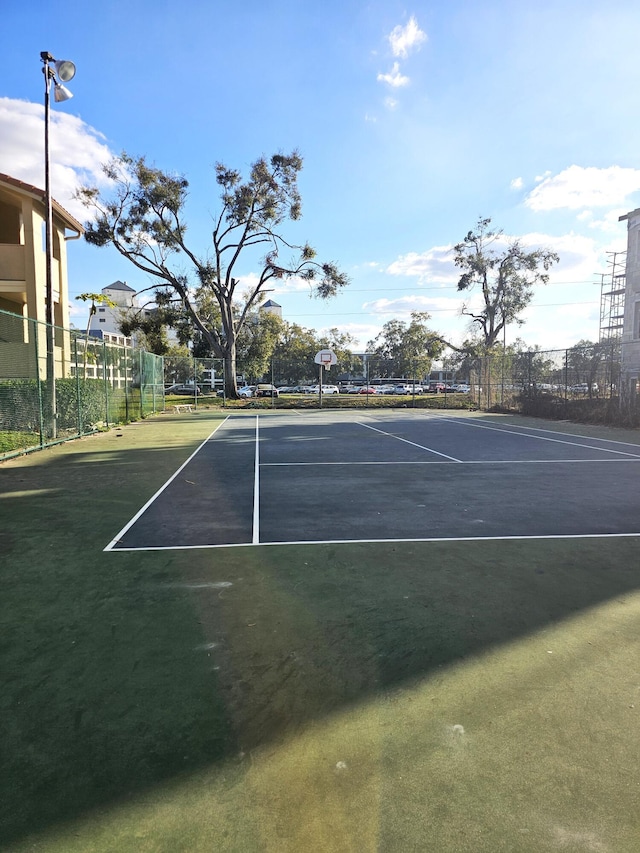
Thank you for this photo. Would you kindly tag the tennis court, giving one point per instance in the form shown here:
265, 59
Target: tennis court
313, 477
471, 688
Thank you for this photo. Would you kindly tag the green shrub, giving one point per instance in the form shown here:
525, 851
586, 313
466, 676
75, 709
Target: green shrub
19, 405
18, 441
89, 392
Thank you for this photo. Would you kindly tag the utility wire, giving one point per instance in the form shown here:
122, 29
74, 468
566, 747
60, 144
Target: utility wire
433, 310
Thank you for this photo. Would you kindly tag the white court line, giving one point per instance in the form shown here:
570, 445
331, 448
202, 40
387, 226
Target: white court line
538, 437
452, 539
129, 524
406, 441
469, 462
553, 432
256, 489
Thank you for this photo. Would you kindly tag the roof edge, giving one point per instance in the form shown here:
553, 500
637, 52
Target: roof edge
629, 215
35, 192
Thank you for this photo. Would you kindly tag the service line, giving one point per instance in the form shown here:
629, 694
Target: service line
406, 441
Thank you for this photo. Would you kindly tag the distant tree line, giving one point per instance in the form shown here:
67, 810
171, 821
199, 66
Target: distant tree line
201, 296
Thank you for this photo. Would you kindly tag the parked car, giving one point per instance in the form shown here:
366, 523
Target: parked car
462, 388
183, 389
583, 388
246, 390
326, 389
263, 390
408, 388
366, 390
436, 387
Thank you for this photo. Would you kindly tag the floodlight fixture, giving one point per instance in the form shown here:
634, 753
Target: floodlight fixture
61, 93
65, 69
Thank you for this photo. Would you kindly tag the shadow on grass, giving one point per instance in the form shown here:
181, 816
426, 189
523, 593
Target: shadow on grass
124, 670
307, 629
106, 686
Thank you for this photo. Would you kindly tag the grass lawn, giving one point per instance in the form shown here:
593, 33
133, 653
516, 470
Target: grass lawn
453, 696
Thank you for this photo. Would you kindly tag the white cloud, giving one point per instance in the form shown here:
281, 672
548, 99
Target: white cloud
558, 326
434, 265
404, 305
285, 285
580, 256
578, 187
394, 78
610, 221
362, 332
405, 39
516, 184
390, 103
77, 150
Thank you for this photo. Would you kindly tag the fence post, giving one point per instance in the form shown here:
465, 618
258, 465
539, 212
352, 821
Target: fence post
488, 366
78, 400
39, 385
413, 385
106, 386
127, 383
195, 383
164, 400
140, 383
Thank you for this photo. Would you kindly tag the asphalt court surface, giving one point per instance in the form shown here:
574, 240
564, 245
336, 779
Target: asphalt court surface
378, 476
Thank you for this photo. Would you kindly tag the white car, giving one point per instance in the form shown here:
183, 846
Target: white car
326, 389
462, 388
407, 388
246, 391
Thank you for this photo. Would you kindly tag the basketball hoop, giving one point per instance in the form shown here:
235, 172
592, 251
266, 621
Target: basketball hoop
326, 357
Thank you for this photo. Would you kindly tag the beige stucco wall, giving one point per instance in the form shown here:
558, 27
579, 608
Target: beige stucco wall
23, 273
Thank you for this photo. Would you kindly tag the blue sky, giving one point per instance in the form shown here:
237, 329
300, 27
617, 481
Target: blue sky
413, 121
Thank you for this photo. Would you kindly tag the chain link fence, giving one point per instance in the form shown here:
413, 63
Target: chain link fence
580, 383
57, 384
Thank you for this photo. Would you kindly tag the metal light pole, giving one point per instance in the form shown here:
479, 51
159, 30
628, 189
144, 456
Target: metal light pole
65, 71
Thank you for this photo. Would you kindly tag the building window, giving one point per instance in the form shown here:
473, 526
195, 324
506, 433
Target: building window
10, 224
102, 320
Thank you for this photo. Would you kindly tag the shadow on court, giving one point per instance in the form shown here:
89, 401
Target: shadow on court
124, 670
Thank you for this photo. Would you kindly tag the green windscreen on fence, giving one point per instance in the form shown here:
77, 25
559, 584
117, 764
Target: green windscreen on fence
57, 384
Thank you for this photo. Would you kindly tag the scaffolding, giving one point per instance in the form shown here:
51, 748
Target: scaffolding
612, 293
